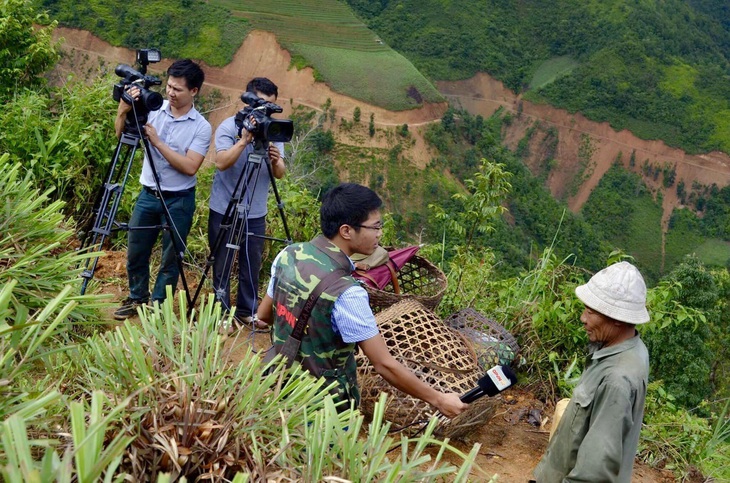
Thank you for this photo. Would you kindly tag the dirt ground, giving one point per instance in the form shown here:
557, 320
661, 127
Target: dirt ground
510, 446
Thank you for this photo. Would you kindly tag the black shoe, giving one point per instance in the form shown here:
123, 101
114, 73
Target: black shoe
128, 308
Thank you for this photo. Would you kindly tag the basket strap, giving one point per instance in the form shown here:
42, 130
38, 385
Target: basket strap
393, 276
364, 274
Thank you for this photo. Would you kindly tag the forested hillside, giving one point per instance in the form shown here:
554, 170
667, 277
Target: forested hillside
657, 68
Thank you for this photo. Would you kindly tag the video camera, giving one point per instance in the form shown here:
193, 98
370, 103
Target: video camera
263, 127
148, 100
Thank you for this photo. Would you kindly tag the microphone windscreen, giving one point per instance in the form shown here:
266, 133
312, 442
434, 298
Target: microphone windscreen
497, 379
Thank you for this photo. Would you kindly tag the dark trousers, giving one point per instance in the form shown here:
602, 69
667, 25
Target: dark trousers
249, 262
149, 212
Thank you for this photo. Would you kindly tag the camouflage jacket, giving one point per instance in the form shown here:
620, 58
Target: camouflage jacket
299, 269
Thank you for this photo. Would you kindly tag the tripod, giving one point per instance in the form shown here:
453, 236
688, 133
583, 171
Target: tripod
109, 196
233, 227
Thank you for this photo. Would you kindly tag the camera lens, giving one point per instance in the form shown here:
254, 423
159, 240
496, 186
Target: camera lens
150, 99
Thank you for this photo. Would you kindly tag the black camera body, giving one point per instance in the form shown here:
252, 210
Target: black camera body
255, 118
148, 100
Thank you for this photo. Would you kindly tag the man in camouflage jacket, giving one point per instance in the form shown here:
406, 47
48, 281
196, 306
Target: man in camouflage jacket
341, 319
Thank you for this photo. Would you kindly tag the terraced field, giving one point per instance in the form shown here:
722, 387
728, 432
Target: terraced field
344, 53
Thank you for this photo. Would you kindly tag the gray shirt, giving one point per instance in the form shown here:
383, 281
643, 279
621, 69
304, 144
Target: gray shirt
597, 437
190, 131
257, 190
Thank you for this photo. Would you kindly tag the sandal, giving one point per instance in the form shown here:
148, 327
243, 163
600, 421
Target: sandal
261, 326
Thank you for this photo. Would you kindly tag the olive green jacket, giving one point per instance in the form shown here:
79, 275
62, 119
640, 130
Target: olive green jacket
597, 437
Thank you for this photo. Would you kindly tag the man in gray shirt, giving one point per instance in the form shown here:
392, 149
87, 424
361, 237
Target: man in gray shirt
179, 138
231, 160
597, 436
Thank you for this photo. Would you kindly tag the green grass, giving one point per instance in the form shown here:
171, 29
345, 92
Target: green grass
714, 252
551, 69
680, 242
353, 73
346, 54
644, 240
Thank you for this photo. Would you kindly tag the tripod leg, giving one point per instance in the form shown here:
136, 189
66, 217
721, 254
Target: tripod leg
107, 204
279, 205
230, 228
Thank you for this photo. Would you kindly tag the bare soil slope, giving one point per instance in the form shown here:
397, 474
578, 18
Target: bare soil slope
484, 95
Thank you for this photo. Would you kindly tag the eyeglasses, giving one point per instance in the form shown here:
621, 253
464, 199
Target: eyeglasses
377, 226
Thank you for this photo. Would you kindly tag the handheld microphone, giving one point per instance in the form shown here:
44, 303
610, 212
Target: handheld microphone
496, 380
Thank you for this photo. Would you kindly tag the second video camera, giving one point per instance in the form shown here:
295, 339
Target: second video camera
255, 118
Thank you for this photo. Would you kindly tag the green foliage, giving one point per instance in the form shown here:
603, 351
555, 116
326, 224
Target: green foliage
25, 341
193, 28
65, 139
671, 436
90, 458
623, 210
26, 53
34, 247
658, 69
680, 352
477, 209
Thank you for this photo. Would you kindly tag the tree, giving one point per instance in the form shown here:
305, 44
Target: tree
371, 127
681, 351
356, 115
25, 53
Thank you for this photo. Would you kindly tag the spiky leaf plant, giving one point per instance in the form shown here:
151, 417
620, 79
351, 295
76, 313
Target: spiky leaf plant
35, 251
25, 342
196, 413
87, 459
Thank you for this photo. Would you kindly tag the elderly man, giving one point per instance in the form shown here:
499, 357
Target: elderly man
597, 437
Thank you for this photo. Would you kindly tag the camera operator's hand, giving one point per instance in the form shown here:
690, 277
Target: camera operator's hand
245, 139
226, 158
151, 134
278, 168
132, 92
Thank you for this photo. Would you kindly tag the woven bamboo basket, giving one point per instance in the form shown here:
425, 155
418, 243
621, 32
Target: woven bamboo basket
491, 342
418, 279
438, 355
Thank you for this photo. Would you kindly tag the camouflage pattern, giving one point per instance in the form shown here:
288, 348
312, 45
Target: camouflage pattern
299, 269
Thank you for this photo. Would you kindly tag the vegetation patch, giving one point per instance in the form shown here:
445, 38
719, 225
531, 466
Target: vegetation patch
551, 69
